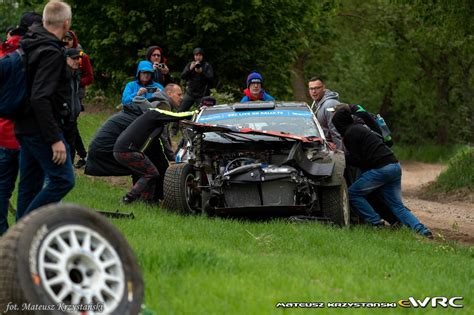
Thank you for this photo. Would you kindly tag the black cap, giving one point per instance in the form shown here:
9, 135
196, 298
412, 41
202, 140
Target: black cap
73, 52
198, 51
27, 19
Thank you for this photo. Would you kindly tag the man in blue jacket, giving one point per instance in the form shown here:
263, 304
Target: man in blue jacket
143, 85
254, 90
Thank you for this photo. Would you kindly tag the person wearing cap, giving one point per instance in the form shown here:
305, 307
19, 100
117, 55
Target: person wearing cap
73, 57
9, 146
254, 90
154, 54
199, 75
143, 85
87, 77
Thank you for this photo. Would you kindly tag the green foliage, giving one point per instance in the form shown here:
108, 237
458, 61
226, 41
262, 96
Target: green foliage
459, 174
427, 153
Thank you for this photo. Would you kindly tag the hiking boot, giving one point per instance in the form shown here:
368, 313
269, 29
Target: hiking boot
80, 163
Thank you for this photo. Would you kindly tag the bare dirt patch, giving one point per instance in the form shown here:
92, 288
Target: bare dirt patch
449, 217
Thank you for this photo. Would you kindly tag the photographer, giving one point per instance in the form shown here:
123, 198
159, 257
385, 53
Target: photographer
199, 75
154, 54
143, 85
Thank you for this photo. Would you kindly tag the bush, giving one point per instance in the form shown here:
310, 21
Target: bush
459, 174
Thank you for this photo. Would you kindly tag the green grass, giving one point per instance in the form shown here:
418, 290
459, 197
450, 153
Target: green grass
428, 153
197, 265
459, 174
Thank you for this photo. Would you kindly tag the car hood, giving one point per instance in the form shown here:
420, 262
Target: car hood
199, 127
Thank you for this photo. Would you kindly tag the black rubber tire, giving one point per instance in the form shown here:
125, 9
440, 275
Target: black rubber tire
335, 204
175, 195
20, 281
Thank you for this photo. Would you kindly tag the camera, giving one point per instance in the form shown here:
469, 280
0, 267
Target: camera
151, 89
198, 66
157, 65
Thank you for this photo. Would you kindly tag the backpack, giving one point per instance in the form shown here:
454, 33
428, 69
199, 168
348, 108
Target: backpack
384, 133
13, 83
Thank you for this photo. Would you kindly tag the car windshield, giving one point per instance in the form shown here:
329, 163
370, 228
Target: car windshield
292, 121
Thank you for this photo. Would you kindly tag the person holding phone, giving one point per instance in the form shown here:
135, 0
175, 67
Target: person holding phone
143, 85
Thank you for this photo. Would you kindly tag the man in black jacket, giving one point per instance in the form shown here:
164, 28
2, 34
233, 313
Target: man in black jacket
39, 130
199, 75
131, 146
381, 172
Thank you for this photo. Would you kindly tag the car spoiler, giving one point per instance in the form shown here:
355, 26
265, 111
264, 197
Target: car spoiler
232, 129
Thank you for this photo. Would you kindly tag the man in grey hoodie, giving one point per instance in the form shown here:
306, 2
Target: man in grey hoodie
324, 99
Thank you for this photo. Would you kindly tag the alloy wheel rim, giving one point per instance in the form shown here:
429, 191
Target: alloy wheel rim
77, 265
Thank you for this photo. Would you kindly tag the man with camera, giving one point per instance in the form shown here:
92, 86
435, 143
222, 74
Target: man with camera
143, 85
199, 75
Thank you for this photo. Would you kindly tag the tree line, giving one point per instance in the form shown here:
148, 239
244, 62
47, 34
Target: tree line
411, 61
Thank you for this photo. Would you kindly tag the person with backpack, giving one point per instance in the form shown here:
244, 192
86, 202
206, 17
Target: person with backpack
381, 173
87, 77
9, 146
40, 127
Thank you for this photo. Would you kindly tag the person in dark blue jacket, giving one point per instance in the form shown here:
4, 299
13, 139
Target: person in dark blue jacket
143, 85
254, 90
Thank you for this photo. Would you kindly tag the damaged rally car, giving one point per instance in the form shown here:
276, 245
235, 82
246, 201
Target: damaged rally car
261, 158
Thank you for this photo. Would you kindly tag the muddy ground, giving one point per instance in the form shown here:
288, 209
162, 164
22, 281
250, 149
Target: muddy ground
449, 217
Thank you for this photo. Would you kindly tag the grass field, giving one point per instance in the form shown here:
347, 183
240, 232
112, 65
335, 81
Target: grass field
197, 265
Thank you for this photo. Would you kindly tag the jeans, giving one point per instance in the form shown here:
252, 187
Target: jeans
387, 180
8, 173
35, 165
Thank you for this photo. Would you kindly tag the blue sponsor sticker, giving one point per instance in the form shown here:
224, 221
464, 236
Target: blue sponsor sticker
258, 113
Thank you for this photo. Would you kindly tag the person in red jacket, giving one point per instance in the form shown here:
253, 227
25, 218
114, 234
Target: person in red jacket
9, 146
87, 76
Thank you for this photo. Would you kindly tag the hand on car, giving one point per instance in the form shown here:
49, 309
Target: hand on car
59, 153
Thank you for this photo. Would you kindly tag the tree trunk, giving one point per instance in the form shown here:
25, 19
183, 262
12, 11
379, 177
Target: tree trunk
298, 81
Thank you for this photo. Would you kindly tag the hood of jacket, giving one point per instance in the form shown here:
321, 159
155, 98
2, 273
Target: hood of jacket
75, 42
328, 94
144, 66
36, 36
342, 120
161, 100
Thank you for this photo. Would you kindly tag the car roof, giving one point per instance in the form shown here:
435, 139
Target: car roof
256, 106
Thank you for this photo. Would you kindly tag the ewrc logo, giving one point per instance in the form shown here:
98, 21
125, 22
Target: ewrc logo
433, 301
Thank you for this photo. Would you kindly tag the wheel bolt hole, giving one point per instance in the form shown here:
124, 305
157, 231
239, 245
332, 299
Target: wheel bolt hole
75, 276
89, 273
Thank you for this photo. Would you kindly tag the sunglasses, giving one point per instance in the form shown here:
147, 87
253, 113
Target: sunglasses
156, 55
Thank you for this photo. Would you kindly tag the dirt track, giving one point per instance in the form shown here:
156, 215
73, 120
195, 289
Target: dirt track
453, 220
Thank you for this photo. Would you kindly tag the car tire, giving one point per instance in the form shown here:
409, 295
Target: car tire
63, 255
177, 189
335, 204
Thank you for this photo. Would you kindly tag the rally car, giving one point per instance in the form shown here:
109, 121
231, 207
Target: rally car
258, 158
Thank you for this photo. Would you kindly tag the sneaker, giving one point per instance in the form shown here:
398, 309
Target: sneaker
427, 233
378, 225
128, 199
80, 163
